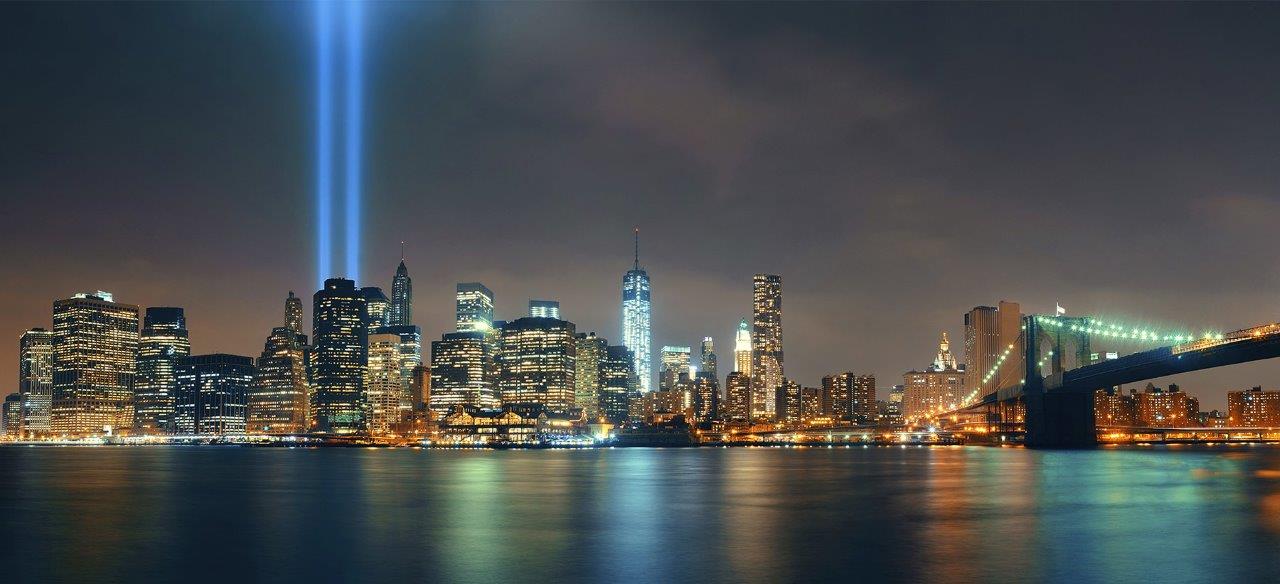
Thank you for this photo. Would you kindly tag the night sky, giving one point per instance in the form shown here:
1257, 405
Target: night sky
896, 164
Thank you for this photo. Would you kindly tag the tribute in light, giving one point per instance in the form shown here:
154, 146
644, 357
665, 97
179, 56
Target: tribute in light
324, 138
355, 106
352, 129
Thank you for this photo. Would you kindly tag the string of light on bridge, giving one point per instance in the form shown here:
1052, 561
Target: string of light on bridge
1116, 330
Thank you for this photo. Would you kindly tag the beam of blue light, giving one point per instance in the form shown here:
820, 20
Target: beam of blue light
355, 98
324, 138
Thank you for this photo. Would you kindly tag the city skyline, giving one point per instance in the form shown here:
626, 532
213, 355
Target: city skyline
875, 296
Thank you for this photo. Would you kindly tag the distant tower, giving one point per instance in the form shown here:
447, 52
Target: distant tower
95, 343
212, 395
544, 308
401, 311
637, 316
278, 401
339, 357
742, 349
164, 340
35, 380
376, 306
708, 363
766, 341
474, 307
293, 313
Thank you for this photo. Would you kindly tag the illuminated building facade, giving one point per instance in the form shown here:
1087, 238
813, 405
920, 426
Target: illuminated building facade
675, 364
618, 383
463, 372
766, 343
401, 311
1253, 408
95, 343
589, 362
706, 397
420, 387
939, 388
742, 349
637, 318
293, 313
338, 357
988, 332
708, 362
409, 347
279, 401
737, 405
385, 388
1111, 407
811, 405
849, 396
163, 341
35, 380
544, 308
11, 416
377, 309
1166, 408
474, 307
212, 394
788, 402
537, 362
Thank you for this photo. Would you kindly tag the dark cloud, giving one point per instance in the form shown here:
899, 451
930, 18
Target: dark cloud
896, 163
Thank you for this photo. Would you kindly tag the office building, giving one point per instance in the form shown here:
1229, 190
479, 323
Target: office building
463, 372
212, 394
788, 402
401, 311
705, 391
279, 402
377, 308
537, 362
474, 307
675, 364
11, 417
544, 308
737, 405
586, 380
385, 388
420, 387
742, 349
637, 317
338, 358
293, 313
35, 380
1253, 408
708, 362
618, 382
989, 331
95, 343
850, 397
163, 341
766, 342
939, 388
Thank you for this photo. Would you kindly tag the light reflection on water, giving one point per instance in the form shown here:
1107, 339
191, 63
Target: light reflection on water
662, 515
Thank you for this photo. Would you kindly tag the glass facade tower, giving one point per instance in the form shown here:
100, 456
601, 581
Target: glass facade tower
338, 358
164, 340
637, 318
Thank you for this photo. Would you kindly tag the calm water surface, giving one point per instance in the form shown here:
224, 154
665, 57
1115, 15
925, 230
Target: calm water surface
201, 514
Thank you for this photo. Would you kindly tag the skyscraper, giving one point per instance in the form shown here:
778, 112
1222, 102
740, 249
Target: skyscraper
293, 313
377, 309
95, 341
637, 316
462, 372
401, 311
544, 308
849, 396
708, 362
475, 307
706, 397
11, 416
279, 401
164, 340
339, 357
586, 380
766, 343
988, 332
737, 406
675, 366
933, 390
385, 389
617, 383
537, 362
212, 394
409, 349
742, 349
35, 380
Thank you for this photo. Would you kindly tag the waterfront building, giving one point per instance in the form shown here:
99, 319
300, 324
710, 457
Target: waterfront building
95, 343
849, 396
212, 394
708, 362
617, 383
474, 307
511, 425
742, 349
1111, 407
293, 313
1253, 408
988, 332
766, 342
338, 358
937, 389
737, 407
811, 411
11, 416
463, 372
586, 380
637, 318
537, 362
409, 349
400, 312
706, 397
420, 387
1166, 408
896, 395
385, 388
279, 400
35, 380
164, 340
377, 308
675, 364
544, 308
788, 402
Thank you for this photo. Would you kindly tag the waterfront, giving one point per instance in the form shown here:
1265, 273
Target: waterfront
909, 514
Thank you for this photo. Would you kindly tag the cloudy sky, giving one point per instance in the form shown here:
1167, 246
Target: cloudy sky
896, 164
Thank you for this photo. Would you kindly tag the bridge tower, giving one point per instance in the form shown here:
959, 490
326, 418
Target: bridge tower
1054, 419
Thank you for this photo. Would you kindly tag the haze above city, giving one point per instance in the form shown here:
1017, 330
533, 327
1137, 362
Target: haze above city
1116, 160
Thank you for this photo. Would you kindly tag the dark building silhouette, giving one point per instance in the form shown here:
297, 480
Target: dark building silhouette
339, 357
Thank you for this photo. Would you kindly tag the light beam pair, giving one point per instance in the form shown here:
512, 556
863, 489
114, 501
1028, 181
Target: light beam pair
351, 24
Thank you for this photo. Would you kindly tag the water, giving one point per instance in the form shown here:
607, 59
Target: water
201, 514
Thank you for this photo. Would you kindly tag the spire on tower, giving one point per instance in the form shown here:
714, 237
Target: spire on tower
402, 252
637, 266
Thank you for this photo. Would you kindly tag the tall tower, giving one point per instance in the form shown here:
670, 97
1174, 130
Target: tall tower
384, 386
376, 307
95, 341
989, 331
35, 380
537, 362
213, 392
293, 313
766, 342
637, 317
401, 311
474, 307
708, 363
339, 357
742, 349
164, 340
278, 402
